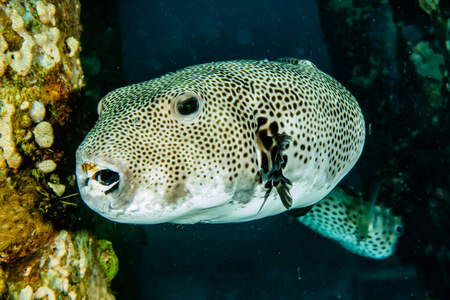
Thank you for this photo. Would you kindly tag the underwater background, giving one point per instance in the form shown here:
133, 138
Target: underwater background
393, 56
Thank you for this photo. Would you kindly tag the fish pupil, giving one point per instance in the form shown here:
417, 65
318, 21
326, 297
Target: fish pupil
188, 106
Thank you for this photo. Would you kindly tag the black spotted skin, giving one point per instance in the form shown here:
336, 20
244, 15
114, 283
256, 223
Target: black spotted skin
244, 104
339, 217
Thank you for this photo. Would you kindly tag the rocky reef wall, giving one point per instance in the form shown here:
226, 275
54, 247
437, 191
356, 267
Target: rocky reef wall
40, 76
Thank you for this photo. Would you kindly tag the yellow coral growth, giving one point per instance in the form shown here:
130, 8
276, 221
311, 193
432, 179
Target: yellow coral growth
22, 231
67, 267
39, 63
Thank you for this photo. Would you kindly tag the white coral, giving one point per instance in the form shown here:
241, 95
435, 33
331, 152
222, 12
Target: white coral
4, 60
46, 166
44, 291
12, 158
47, 41
73, 45
41, 44
20, 61
46, 13
58, 189
26, 293
48, 53
37, 111
43, 134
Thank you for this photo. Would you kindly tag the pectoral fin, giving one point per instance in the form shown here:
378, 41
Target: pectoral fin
275, 177
283, 189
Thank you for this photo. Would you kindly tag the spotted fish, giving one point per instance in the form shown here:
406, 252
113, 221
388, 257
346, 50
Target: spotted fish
362, 227
220, 142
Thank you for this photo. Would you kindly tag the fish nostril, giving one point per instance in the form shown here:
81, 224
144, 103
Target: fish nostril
106, 177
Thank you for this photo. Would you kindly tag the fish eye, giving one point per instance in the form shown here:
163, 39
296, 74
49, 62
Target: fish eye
399, 229
186, 107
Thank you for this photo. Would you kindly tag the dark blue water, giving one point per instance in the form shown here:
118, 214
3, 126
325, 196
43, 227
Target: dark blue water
273, 258
161, 36
277, 258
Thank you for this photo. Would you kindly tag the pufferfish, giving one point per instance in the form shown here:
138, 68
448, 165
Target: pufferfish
362, 227
220, 142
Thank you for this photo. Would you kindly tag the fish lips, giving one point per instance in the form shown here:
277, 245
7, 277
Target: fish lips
108, 196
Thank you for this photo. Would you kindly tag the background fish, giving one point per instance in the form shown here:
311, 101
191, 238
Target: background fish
208, 143
362, 227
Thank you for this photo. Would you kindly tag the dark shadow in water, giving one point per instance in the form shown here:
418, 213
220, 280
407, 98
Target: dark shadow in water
273, 258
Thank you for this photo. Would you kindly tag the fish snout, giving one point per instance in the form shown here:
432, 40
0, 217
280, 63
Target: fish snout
100, 184
100, 178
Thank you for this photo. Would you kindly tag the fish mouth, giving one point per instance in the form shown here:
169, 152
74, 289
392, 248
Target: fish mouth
102, 179
101, 186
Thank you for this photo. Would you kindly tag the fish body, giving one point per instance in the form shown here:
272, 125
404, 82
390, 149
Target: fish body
220, 142
362, 227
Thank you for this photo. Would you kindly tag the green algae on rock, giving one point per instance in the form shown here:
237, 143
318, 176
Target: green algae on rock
67, 267
107, 258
